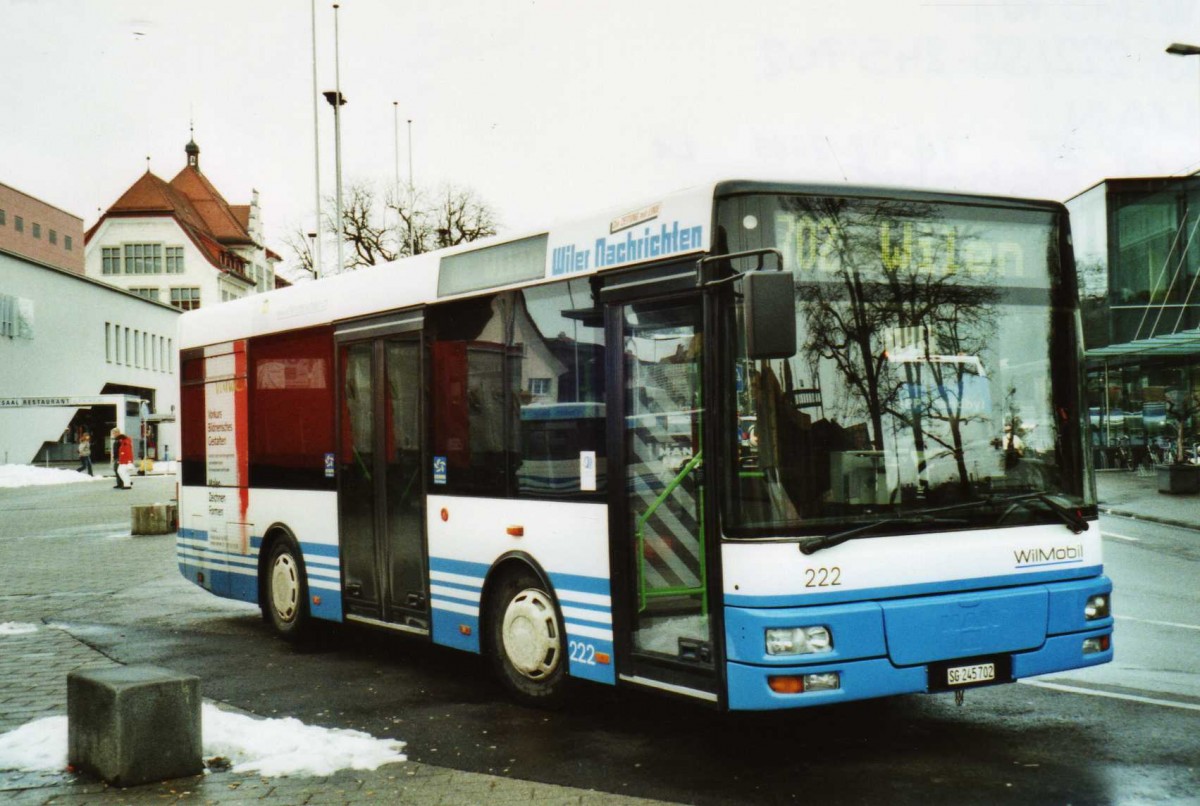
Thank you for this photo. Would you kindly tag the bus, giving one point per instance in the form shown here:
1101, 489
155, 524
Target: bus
757, 444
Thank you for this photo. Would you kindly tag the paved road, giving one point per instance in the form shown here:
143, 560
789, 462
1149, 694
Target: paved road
69, 565
117, 597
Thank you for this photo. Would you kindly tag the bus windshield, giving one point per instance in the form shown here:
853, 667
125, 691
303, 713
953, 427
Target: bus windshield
936, 364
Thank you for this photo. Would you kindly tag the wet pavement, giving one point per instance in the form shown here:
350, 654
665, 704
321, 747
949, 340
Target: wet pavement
60, 576
66, 554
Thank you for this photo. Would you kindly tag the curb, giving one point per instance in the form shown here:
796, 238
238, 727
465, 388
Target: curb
1136, 516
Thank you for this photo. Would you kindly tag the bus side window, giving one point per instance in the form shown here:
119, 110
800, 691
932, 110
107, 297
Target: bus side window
558, 332
470, 419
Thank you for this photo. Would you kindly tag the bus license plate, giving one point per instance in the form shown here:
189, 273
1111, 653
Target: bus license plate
965, 675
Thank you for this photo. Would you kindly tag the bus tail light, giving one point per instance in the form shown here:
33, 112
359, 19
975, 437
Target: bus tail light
1095, 644
798, 684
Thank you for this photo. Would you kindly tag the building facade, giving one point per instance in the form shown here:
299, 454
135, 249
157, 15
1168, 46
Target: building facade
180, 242
40, 231
78, 355
1137, 248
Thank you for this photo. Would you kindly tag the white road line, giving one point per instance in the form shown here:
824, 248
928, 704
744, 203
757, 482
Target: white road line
1116, 536
1159, 623
1187, 706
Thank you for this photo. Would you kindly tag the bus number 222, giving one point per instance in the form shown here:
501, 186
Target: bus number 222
822, 577
583, 653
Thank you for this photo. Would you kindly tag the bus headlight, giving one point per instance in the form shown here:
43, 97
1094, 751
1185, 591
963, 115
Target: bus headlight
799, 640
1097, 607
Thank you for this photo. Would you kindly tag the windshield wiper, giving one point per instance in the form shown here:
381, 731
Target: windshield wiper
1071, 518
812, 545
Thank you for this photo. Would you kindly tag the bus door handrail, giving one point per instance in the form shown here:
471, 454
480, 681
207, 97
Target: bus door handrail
645, 593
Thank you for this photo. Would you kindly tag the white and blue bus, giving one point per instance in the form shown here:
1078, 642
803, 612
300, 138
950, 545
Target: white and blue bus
762, 445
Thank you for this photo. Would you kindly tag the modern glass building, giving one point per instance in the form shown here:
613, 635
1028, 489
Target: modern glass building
1137, 248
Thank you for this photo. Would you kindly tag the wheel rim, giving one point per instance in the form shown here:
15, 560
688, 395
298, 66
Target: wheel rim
530, 634
285, 587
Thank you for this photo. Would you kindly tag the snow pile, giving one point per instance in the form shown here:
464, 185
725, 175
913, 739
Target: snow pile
30, 476
270, 747
289, 747
16, 628
36, 746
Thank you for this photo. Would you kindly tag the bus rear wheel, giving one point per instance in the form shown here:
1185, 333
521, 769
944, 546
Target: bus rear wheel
526, 639
285, 603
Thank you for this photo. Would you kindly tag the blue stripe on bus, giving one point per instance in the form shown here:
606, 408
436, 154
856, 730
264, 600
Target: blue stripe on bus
581, 584
239, 580
461, 631
461, 567
455, 629
897, 591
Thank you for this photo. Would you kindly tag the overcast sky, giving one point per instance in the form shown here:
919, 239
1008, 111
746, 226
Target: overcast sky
555, 109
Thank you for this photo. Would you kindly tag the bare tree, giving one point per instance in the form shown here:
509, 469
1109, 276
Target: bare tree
878, 292
383, 226
461, 216
301, 244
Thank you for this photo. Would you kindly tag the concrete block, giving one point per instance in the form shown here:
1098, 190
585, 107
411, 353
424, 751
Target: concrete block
154, 519
132, 725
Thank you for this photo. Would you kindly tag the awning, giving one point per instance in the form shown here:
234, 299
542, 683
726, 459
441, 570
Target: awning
1186, 342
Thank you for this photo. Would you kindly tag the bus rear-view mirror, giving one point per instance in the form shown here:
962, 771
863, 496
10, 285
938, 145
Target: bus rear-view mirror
770, 308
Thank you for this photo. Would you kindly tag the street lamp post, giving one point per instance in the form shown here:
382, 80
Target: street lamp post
337, 100
1181, 49
316, 257
412, 198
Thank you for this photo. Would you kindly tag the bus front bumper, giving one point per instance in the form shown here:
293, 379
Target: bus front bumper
916, 644
750, 687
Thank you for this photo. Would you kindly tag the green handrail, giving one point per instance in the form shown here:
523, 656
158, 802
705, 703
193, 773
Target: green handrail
645, 593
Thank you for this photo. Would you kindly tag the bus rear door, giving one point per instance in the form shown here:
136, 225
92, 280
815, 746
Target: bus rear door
380, 494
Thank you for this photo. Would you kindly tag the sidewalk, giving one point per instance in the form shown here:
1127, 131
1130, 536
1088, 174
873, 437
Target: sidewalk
1133, 494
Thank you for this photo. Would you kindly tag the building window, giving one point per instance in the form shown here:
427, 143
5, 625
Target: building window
18, 223
174, 260
53, 238
8, 316
37, 230
108, 356
110, 260
146, 293
3, 218
67, 243
143, 258
539, 387
16, 317
128, 347
185, 299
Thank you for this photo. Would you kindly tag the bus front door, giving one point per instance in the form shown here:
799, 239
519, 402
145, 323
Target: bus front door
379, 487
660, 534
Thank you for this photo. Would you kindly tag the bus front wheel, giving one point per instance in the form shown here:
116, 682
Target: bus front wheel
527, 647
286, 601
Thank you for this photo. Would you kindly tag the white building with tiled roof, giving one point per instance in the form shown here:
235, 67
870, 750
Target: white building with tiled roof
180, 242
76, 355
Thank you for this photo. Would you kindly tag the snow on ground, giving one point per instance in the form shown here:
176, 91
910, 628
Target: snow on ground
31, 476
16, 628
270, 747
